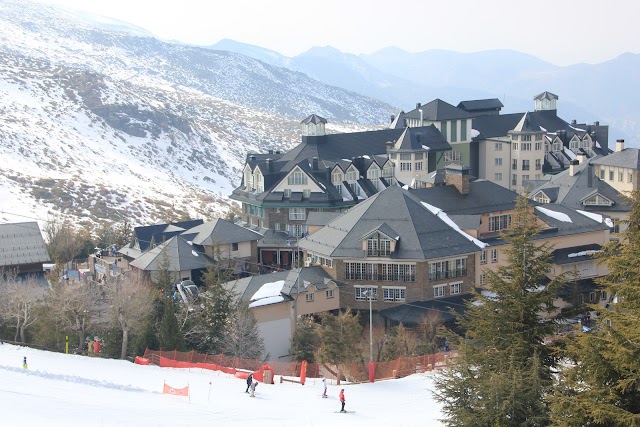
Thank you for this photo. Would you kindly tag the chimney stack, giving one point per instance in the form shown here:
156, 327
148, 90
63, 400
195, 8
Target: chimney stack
270, 151
314, 164
573, 122
619, 145
572, 167
581, 157
252, 158
596, 123
590, 175
418, 105
389, 145
458, 176
269, 166
392, 118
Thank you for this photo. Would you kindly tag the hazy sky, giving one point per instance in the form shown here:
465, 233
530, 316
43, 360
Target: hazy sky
559, 31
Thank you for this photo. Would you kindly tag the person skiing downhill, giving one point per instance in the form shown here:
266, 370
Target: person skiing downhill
24, 362
342, 400
249, 382
324, 383
253, 389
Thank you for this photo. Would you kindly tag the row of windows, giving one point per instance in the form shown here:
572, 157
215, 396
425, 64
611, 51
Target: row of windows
449, 268
328, 295
381, 272
538, 137
526, 146
452, 135
440, 291
317, 259
453, 156
389, 293
525, 164
612, 175
494, 256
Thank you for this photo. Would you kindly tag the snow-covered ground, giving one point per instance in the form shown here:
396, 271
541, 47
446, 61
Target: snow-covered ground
69, 390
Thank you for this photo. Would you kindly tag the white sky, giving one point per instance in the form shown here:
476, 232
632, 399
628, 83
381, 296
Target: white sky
560, 31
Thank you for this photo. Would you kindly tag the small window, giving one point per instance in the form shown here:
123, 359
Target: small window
498, 161
439, 291
494, 255
455, 288
309, 297
329, 293
234, 246
483, 257
592, 296
580, 299
498, 146
603, 295
287, 193
483, 279
306, 193
498, 176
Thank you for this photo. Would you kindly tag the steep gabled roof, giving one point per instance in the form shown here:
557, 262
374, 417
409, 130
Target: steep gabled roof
438, 110
571, 191
420, 233
22, 243
421, 138
182, 256
627, 158
220, 231
527, 123
144, 235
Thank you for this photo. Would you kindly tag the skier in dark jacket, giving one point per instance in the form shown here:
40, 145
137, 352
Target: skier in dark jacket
249, 382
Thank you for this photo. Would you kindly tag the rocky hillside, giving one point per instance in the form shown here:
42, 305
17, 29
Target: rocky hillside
105, 125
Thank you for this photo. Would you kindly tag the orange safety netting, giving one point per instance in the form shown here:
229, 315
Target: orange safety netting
397, 368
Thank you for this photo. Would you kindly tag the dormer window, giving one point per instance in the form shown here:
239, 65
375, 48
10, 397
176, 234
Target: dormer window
248, 179
259, 181
378, 245
306, 193
287, 193
297, 177
597, 200
541, 198
351, 176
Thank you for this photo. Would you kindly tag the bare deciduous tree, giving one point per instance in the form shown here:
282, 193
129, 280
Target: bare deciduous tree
130, 303
64, 243
74, 307
242, 338
19, 301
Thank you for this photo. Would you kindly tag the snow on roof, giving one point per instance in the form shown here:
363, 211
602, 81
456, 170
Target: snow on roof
592, 215
554, 214
366, 156
609, 222
424, 147
582, 253
578, 129
266, 301
194, 253
569, 153
598, 144
474, 133
443, 216
405, 187
543, 129
267, 290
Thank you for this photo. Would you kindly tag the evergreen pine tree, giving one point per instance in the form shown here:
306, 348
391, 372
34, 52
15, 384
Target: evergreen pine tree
503, 371
169, 334
339, 339
602, 386
305, 340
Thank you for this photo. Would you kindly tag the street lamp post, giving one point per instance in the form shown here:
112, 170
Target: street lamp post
369, 294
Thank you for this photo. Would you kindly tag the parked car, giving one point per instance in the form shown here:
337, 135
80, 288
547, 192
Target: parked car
189, 294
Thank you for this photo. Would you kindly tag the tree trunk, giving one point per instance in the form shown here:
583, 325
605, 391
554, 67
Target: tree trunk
125, 339
22, 333
80, 330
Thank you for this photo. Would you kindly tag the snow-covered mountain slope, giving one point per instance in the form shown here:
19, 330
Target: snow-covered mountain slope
103, 125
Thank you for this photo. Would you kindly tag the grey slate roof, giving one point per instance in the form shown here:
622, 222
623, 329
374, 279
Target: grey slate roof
22, 243
627, 158
545, 95
411, 314
422, 235
220, 231
415, 138
527, 123
572, 190
484, 196
314, 119
438, 110
481, 104
321, 218
574, 254
181, 255
246, 287
359, 148
157, 233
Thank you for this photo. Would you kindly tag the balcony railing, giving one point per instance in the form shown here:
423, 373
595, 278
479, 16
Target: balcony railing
381, 277
458, 272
